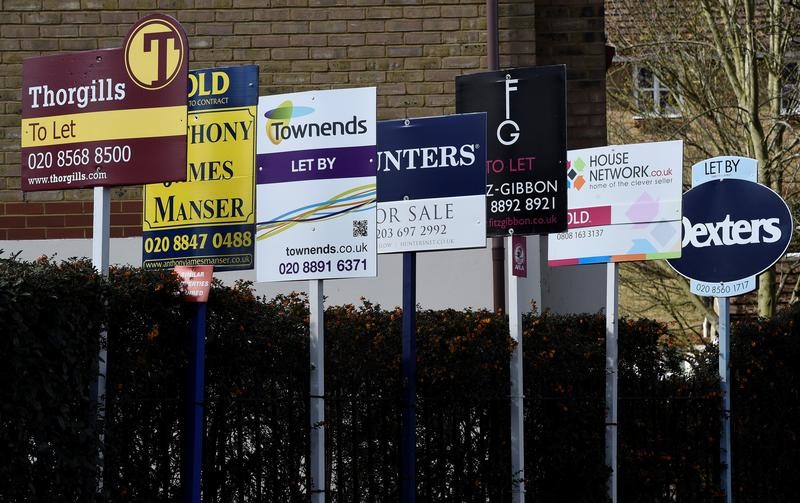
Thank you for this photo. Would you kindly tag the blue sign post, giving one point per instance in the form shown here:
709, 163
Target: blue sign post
197, 284
193, 460
733, 230
408, 370
431, 196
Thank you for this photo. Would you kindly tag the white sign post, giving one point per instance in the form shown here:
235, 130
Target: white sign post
517, 260
710, 170
315, 217
733, 230
624, 205
101, 244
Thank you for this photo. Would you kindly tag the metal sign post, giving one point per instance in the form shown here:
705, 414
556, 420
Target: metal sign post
612, 374
441, 207
408, 423
316, 327
525, 188
101, 232
725, 387
624, 205
194, 435
517, 396
726, 244
196, 286
105, 118
315, 212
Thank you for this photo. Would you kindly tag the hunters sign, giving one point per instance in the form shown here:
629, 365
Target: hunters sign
107, 117
431, 183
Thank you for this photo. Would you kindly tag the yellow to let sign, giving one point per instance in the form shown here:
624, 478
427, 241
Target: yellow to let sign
219, 186
107, 125
210, 218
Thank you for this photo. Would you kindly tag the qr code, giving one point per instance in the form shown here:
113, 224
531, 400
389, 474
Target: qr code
359, 228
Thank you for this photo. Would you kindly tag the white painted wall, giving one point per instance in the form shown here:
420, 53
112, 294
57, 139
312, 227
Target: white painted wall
445, 279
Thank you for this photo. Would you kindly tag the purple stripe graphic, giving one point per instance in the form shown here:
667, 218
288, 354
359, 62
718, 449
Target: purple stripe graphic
318, 164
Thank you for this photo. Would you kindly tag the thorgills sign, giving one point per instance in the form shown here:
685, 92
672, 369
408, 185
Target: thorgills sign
107, 117
733, 228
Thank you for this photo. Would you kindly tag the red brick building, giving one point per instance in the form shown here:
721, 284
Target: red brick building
412, 50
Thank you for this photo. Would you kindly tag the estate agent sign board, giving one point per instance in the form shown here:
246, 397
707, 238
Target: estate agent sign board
432, 183
527, 146
315, 185
107, 117
624, 205
210, 218
733, 228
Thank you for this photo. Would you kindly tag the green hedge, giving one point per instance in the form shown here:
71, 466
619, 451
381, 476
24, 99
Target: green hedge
257, 399
765, 365
50, 316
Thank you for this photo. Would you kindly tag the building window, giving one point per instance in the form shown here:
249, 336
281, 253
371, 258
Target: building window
653, 98
790, 89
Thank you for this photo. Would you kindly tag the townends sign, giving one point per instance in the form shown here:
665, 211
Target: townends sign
732, 229
107, 117
315, 185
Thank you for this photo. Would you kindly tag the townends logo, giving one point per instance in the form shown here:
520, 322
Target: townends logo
279, 125
575, 179
282, 116
155, 52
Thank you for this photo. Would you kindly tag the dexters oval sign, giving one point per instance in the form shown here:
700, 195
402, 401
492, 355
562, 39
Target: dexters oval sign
732, 229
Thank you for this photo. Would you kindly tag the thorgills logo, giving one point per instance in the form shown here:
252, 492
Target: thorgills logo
279, 124
575, 178
154, 52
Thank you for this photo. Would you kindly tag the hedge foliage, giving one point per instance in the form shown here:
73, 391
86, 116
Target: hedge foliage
50, 316
257, 369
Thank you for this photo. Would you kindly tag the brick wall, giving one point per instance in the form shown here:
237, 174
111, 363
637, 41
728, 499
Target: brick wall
572, 32
410, 49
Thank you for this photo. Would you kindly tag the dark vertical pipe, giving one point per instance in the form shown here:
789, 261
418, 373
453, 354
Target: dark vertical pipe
194, 418
492, 54
498, 249
408, 368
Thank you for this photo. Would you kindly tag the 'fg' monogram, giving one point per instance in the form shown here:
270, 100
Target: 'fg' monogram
513, 126
154, 53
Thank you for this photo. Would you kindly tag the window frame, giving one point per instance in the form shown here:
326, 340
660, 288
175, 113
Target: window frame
654, 93
792, 87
